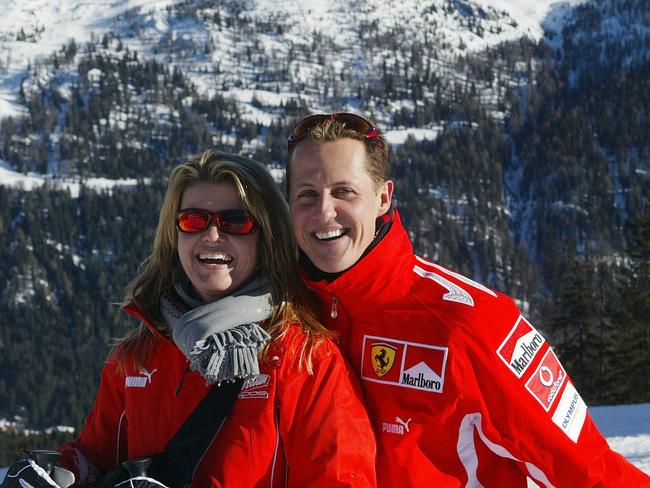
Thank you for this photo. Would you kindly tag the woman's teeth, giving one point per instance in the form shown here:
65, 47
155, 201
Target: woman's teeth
216, 258
331, 234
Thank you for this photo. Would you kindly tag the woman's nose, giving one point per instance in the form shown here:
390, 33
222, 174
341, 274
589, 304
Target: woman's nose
212, 233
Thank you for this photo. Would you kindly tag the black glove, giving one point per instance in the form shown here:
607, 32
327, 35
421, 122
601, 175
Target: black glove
38, 470
26, 473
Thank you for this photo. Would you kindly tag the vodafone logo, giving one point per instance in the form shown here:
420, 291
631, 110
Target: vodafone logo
520, 346
545, 376
545, 383
405, 364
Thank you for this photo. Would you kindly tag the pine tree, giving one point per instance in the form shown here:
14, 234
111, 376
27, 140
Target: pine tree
583, 329
633, 359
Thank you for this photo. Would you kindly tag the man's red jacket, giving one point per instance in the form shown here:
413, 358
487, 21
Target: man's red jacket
287, 428
462, 390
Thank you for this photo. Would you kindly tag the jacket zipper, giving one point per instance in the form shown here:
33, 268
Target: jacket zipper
180, 384
334, 310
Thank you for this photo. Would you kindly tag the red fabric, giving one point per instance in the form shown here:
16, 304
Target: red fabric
287, 429
428, 346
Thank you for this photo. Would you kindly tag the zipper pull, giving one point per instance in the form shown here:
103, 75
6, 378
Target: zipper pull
334, 312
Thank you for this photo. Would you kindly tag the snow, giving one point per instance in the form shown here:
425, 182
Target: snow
534, 16
33, 29
627, 429
29, 181
399, 136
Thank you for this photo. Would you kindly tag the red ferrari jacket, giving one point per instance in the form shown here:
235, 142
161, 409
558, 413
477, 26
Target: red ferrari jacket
462, 390
287, 428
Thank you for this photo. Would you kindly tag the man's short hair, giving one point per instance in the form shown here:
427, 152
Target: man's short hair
332, 130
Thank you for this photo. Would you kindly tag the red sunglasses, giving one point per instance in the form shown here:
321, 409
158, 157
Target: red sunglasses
354, 122
234, 221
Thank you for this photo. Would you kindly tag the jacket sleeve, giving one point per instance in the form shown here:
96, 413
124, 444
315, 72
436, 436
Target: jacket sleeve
101, 445
327, 436
530, 410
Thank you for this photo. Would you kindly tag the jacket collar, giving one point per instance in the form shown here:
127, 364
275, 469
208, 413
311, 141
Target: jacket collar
378, 274
134, 310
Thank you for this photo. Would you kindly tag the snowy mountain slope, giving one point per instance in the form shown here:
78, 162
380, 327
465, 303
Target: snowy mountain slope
263, 54
9, 177
258, 53
32, 29
241, 38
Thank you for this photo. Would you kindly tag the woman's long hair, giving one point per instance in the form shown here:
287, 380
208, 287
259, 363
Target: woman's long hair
277, 254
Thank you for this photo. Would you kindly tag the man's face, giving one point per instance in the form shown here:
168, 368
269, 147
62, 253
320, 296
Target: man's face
334, 203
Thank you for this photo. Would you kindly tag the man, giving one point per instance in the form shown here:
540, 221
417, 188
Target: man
461, 388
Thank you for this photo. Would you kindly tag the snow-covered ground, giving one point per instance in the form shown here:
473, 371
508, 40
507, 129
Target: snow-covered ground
9, 177
627, 428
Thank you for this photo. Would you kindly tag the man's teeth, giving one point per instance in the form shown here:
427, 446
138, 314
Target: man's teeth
329, 234
215, 257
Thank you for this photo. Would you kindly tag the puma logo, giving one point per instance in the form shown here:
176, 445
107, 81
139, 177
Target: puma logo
405, 424
147, 373
140, 381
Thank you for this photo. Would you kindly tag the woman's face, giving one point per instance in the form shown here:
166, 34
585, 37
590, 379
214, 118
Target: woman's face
216, 263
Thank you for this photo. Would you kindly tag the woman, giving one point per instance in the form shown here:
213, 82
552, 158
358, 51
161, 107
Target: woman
220, 298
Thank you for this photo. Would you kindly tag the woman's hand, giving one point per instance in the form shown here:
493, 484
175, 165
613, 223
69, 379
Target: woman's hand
26, 472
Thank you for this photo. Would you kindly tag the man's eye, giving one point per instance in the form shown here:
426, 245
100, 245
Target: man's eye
343, 191
307, 194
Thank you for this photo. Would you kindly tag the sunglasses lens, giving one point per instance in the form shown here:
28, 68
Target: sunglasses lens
305, 125
351, 121
235, 221
356, 123
191, 221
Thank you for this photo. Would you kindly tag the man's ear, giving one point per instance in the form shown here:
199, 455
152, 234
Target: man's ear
385, 195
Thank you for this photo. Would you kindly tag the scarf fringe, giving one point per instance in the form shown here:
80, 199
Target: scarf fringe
229, 354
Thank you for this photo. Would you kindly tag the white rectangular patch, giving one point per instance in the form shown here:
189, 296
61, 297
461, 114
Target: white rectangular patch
404, 364
136, 381
256, 387
570, 413
520, 347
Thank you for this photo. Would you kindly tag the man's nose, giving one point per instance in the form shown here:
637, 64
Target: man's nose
326, 208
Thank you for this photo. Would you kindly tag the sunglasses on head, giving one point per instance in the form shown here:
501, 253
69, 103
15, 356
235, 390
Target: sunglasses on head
234, 221
354, 122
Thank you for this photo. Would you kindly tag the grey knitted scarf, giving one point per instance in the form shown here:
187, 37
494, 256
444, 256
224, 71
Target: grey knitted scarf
221, 339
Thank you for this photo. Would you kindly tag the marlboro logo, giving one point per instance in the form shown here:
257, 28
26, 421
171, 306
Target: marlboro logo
520, 347
404, 364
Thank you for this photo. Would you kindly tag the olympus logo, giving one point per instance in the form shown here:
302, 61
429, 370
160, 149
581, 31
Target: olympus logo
571, 413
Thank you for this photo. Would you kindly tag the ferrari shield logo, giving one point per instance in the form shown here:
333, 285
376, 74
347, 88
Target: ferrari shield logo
383, 358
